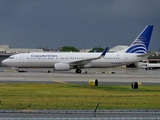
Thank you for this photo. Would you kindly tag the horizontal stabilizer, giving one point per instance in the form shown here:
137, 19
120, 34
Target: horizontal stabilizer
144, 55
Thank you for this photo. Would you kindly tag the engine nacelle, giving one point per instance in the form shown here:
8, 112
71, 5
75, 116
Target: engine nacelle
61, 67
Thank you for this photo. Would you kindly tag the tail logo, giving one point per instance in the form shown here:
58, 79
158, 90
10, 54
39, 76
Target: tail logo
138, 46
141, 43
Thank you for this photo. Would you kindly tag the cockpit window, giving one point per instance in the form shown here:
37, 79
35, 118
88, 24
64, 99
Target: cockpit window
11, 57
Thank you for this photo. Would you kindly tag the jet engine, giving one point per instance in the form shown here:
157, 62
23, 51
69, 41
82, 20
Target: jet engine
61, 67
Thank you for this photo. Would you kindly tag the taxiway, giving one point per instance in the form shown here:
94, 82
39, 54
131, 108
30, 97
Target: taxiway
104, 76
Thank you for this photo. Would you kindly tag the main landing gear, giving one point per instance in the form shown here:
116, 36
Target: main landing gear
78, 71
21, 70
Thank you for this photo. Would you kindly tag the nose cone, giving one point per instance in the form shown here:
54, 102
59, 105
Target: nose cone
4, 62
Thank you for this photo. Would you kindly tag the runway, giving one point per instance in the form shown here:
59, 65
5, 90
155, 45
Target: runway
118, 75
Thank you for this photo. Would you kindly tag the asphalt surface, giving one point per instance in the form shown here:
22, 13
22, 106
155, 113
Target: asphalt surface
81, 115
104, 76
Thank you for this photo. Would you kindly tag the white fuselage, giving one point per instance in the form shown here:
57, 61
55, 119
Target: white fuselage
48, 60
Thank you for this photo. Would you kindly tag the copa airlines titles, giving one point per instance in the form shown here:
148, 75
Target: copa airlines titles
33, 55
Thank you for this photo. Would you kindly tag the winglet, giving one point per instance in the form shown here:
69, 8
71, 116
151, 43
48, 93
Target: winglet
104, 52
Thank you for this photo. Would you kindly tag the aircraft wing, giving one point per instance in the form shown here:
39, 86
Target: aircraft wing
85, 61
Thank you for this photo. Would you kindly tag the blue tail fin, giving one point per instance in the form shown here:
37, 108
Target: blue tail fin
141, 43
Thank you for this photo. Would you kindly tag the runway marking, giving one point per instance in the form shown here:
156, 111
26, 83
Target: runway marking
59, 81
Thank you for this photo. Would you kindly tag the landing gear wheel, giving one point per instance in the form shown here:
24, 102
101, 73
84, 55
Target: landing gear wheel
78, 71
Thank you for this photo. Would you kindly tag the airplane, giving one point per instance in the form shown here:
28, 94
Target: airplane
61, 61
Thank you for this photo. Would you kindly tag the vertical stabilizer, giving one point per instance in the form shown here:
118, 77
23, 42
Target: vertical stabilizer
141, 43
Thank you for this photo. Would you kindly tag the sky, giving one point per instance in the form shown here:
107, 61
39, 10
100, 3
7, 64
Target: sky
80, 23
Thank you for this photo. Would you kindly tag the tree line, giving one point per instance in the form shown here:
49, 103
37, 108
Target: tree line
73, 49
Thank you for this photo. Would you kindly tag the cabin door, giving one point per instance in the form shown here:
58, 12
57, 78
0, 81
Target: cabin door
126, 58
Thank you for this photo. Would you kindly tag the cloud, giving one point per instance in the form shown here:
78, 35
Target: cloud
90, 23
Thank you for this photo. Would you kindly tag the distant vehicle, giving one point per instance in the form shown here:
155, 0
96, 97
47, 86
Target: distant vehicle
149, 66
136, 52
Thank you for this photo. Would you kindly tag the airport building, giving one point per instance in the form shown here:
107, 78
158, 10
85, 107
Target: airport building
118, 48
6, 51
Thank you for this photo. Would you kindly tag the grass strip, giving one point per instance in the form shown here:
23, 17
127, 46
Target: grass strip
21, 96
